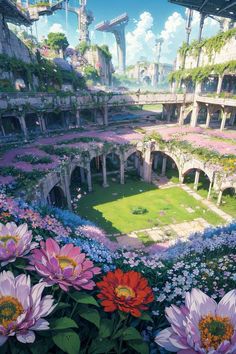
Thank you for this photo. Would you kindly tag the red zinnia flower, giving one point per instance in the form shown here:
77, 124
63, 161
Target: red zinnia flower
128, 292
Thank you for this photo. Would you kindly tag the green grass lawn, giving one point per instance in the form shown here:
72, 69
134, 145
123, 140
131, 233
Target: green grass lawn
228, 201
110, 208
152, 107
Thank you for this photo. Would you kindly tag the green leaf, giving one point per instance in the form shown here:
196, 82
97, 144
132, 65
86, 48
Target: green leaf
131, 334
63, 323
84, 299
68, 341
101, 346
61, 306
146, 317
106, 328
140, 346
90, 315
118, 333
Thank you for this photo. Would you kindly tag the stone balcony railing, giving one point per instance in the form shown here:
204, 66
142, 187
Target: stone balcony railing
44, 101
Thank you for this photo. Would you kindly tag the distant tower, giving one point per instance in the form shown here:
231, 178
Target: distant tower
117, 27
85, 20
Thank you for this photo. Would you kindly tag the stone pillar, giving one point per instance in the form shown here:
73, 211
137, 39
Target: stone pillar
232, 118
95, 115
82, 175
104, 170
78, 119
42, 123
223, 121
181, 178
196, 180
2, 127
122, 170
208, 120
155, 162
181, 115
194, 117
164, 164
23, 125
219, 198
147, 164
210, 189
66, 182
169, 111
89, 178
105, 118
219, 85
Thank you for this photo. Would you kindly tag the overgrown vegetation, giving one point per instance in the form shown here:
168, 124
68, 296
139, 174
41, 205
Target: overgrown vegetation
201, 73
210, 46
50, 76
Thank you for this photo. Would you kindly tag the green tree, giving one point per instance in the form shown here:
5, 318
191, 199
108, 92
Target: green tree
82, 47
91, 73
57, 41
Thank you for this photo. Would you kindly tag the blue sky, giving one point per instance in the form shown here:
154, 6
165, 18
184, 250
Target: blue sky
148, 20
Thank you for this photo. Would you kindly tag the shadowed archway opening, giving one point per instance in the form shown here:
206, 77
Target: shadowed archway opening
134, 165
32, 122
164, 167
215, 121
11, 125
202, 116
78, 182
56, 197
198, 180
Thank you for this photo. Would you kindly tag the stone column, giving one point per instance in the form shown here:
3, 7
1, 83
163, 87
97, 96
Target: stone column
208, 120
194, 117
78, 119
105, 118
223, 121
95, 115
210, 188
89, 178
147, 164
2, 127
169, 111
104, 170
232, 118
122, 170
181, 178
66, 182
42, 123
196, 180
219, 85
82, 175
181, 115
155, 162
219, 198
164, 164
23, 125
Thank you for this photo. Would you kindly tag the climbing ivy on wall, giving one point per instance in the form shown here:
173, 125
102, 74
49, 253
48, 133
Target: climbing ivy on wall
48, 74
201, 73
210, 46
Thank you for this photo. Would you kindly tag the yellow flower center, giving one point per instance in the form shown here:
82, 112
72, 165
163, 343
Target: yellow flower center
66, 261
124, 291
6, 238
10, 309
215, 330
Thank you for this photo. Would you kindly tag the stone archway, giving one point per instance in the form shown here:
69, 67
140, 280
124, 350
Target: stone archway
134, 164
198, 179
11, 125
165, 165
56, 197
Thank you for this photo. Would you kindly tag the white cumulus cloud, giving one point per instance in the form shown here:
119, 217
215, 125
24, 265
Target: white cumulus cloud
56, 27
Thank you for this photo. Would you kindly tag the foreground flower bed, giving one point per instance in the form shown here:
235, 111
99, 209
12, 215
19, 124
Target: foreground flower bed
64, 288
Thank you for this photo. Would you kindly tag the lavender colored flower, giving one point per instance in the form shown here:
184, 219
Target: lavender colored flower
201, 326
15, 241
66, 266
22, 308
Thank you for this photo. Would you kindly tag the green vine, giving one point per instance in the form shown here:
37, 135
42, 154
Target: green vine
210, 46
201, 73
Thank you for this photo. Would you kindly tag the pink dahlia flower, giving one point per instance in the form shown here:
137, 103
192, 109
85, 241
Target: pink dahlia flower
201, 326
22, 308
15, 241
65, 266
